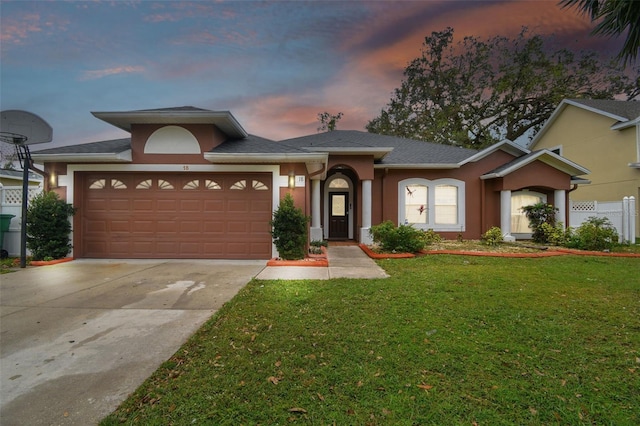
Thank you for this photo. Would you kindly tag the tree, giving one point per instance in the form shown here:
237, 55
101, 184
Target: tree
616, 17
474, 93
328, 122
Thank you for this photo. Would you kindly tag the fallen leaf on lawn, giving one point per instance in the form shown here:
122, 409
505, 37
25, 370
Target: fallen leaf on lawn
320, 397
533, 411
425, 387
278, 363
297, 410
273, 380
359, 384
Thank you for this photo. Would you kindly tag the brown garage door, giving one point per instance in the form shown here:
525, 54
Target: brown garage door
194, 215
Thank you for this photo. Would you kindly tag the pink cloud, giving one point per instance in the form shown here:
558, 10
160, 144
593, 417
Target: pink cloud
16, 31
374, 69
96, 74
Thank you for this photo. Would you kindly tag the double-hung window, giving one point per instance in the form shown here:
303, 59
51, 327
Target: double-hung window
432, 204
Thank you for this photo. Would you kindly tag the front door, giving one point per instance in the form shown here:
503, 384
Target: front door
339, 215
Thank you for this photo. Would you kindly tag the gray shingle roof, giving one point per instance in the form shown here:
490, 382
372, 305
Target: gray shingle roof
405, 151
627, 109
114, 146
253, 144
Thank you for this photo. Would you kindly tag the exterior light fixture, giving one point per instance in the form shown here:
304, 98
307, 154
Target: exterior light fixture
53, 180
292, 179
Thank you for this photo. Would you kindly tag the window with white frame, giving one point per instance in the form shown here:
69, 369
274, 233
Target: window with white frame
519, 199
432, 204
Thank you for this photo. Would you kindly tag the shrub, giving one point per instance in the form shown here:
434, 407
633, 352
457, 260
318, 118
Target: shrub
401, 239
538, 214
493, 236
319, 243
289, 230
594, 234
431, 237
554, 234
48, 226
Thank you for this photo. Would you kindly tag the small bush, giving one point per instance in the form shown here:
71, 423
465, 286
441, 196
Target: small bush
289, 230
594, 234
431, 237
48, 226
493, 236
319, 243
538, 214
555, 235
401, 239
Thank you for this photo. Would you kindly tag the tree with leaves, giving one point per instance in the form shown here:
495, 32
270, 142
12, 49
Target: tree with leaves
616, 17
474, 93
328, 122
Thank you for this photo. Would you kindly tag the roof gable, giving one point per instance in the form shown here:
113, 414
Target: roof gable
626, 113
550, 158
223, 120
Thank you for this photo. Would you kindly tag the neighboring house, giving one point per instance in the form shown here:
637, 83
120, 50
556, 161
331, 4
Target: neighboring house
192, 183
11, 204
604, 136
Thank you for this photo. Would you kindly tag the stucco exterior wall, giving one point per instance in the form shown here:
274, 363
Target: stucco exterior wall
208, 136
587, 139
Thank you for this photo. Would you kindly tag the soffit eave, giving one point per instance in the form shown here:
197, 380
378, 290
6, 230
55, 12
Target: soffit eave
425, 166
110, 157
224, 120
265, 158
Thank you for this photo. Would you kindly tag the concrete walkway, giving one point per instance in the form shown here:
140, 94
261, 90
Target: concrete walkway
344, 262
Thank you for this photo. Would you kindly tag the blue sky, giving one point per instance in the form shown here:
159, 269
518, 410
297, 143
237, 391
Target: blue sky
275, 65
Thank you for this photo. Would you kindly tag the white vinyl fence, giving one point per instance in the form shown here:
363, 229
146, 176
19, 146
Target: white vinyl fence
11, 203
622, 215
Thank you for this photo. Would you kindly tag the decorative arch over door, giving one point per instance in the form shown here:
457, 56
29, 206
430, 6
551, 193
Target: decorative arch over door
338, 207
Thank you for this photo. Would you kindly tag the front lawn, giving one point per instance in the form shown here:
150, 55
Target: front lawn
445, 340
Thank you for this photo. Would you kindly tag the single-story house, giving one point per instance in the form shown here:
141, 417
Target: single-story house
192, 183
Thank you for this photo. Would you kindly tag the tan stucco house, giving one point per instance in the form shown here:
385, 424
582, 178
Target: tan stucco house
602, 135
192, 183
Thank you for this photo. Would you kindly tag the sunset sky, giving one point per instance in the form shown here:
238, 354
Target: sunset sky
275, 65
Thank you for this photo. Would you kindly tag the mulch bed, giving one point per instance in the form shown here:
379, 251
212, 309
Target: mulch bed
510, 250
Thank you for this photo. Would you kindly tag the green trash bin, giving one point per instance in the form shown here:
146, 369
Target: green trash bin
5, 221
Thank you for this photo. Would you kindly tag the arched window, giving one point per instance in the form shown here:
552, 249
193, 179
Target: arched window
339, 183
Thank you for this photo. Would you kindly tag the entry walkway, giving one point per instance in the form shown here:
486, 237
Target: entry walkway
344, 262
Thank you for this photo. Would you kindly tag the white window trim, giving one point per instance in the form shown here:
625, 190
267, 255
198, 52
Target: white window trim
431, 186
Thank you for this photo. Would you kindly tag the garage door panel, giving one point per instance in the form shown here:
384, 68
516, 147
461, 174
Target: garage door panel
190, 227
214, 227
190, 206
97, 225
142, 247
213, 205
163, 206
181, 216
143, 226
119, 205
120, 226
142, 205
238, 206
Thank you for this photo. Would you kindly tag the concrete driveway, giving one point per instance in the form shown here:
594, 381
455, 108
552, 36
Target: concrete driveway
77, 338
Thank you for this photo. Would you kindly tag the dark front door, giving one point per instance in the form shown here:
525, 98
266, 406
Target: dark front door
339, 215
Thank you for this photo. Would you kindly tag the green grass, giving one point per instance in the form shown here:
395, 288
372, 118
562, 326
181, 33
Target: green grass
445, 340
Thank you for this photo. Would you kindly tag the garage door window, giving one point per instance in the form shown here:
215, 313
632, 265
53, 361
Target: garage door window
102, 183
145, 184
165, 184
259, 186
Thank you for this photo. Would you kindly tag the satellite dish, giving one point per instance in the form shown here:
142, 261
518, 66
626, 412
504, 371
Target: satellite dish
24, 128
